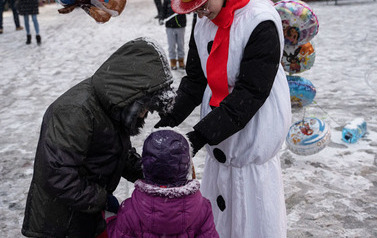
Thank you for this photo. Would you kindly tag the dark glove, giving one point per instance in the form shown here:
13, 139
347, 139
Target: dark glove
166, 120
161, 22
132, 170
112, 204
197, 141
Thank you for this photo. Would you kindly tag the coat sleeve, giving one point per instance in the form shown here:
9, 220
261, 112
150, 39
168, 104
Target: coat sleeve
68, 136
259, 65
111, 223
125, 223
191, 88
208, 229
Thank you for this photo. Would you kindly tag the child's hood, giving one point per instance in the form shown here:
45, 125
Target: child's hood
166, 158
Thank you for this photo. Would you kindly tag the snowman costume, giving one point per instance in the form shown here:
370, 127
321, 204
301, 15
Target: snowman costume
245, 185
242, 176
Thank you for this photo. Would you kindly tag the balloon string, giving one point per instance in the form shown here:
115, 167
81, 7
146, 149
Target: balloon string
367, 80
303, 116
314, 102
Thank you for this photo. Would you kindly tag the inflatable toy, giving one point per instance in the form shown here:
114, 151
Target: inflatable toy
354, 130
300, 24
302, 91
308, 136
298, 59
100, 10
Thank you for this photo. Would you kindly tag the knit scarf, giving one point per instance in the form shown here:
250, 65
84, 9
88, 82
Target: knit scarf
217, 76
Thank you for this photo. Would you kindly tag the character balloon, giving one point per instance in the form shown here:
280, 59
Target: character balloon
297, 59
300, 24
308, 136
302, 91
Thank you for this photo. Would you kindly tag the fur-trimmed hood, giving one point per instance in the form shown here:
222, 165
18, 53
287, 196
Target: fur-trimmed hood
137, 69
166, 158
174, 192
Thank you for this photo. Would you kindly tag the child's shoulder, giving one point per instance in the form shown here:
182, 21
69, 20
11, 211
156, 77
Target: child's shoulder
190, 188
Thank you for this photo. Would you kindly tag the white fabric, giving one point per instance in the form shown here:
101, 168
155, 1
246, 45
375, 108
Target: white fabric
250, 180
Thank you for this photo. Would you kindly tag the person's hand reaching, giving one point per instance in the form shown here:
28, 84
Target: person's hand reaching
166, 121
197, 141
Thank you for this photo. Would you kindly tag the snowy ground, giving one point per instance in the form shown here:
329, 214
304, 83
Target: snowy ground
330, 194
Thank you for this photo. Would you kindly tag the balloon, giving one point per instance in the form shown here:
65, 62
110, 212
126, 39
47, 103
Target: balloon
300, 24
297, 59
302, 91
308, 136
100, 10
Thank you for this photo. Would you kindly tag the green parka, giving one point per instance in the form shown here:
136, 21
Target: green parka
83, 146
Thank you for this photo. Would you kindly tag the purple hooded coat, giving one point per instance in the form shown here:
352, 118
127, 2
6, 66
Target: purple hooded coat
153, 211
166, 204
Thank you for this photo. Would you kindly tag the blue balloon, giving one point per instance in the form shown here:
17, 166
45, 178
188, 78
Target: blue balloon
302, 91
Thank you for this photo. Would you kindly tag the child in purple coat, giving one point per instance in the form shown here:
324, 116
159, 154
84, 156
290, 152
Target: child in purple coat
166, 203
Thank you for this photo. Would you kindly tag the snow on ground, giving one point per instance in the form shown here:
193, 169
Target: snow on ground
330, 194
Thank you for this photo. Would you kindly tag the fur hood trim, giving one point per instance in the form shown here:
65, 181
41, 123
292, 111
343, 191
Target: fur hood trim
175, 192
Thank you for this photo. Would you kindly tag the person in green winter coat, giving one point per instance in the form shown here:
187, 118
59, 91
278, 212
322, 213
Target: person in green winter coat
85, 142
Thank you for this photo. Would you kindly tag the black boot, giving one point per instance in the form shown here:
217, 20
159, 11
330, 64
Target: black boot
39, 40
28, 39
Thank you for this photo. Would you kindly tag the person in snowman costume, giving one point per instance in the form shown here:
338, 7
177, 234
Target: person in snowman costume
234, 72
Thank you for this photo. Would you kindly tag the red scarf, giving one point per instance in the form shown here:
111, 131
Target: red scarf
217, 76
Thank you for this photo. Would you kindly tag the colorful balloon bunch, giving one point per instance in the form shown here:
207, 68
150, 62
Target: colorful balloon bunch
300, 25
100, 10
309, 135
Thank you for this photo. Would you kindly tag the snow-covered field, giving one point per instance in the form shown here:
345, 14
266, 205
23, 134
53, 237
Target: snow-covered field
330, 194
